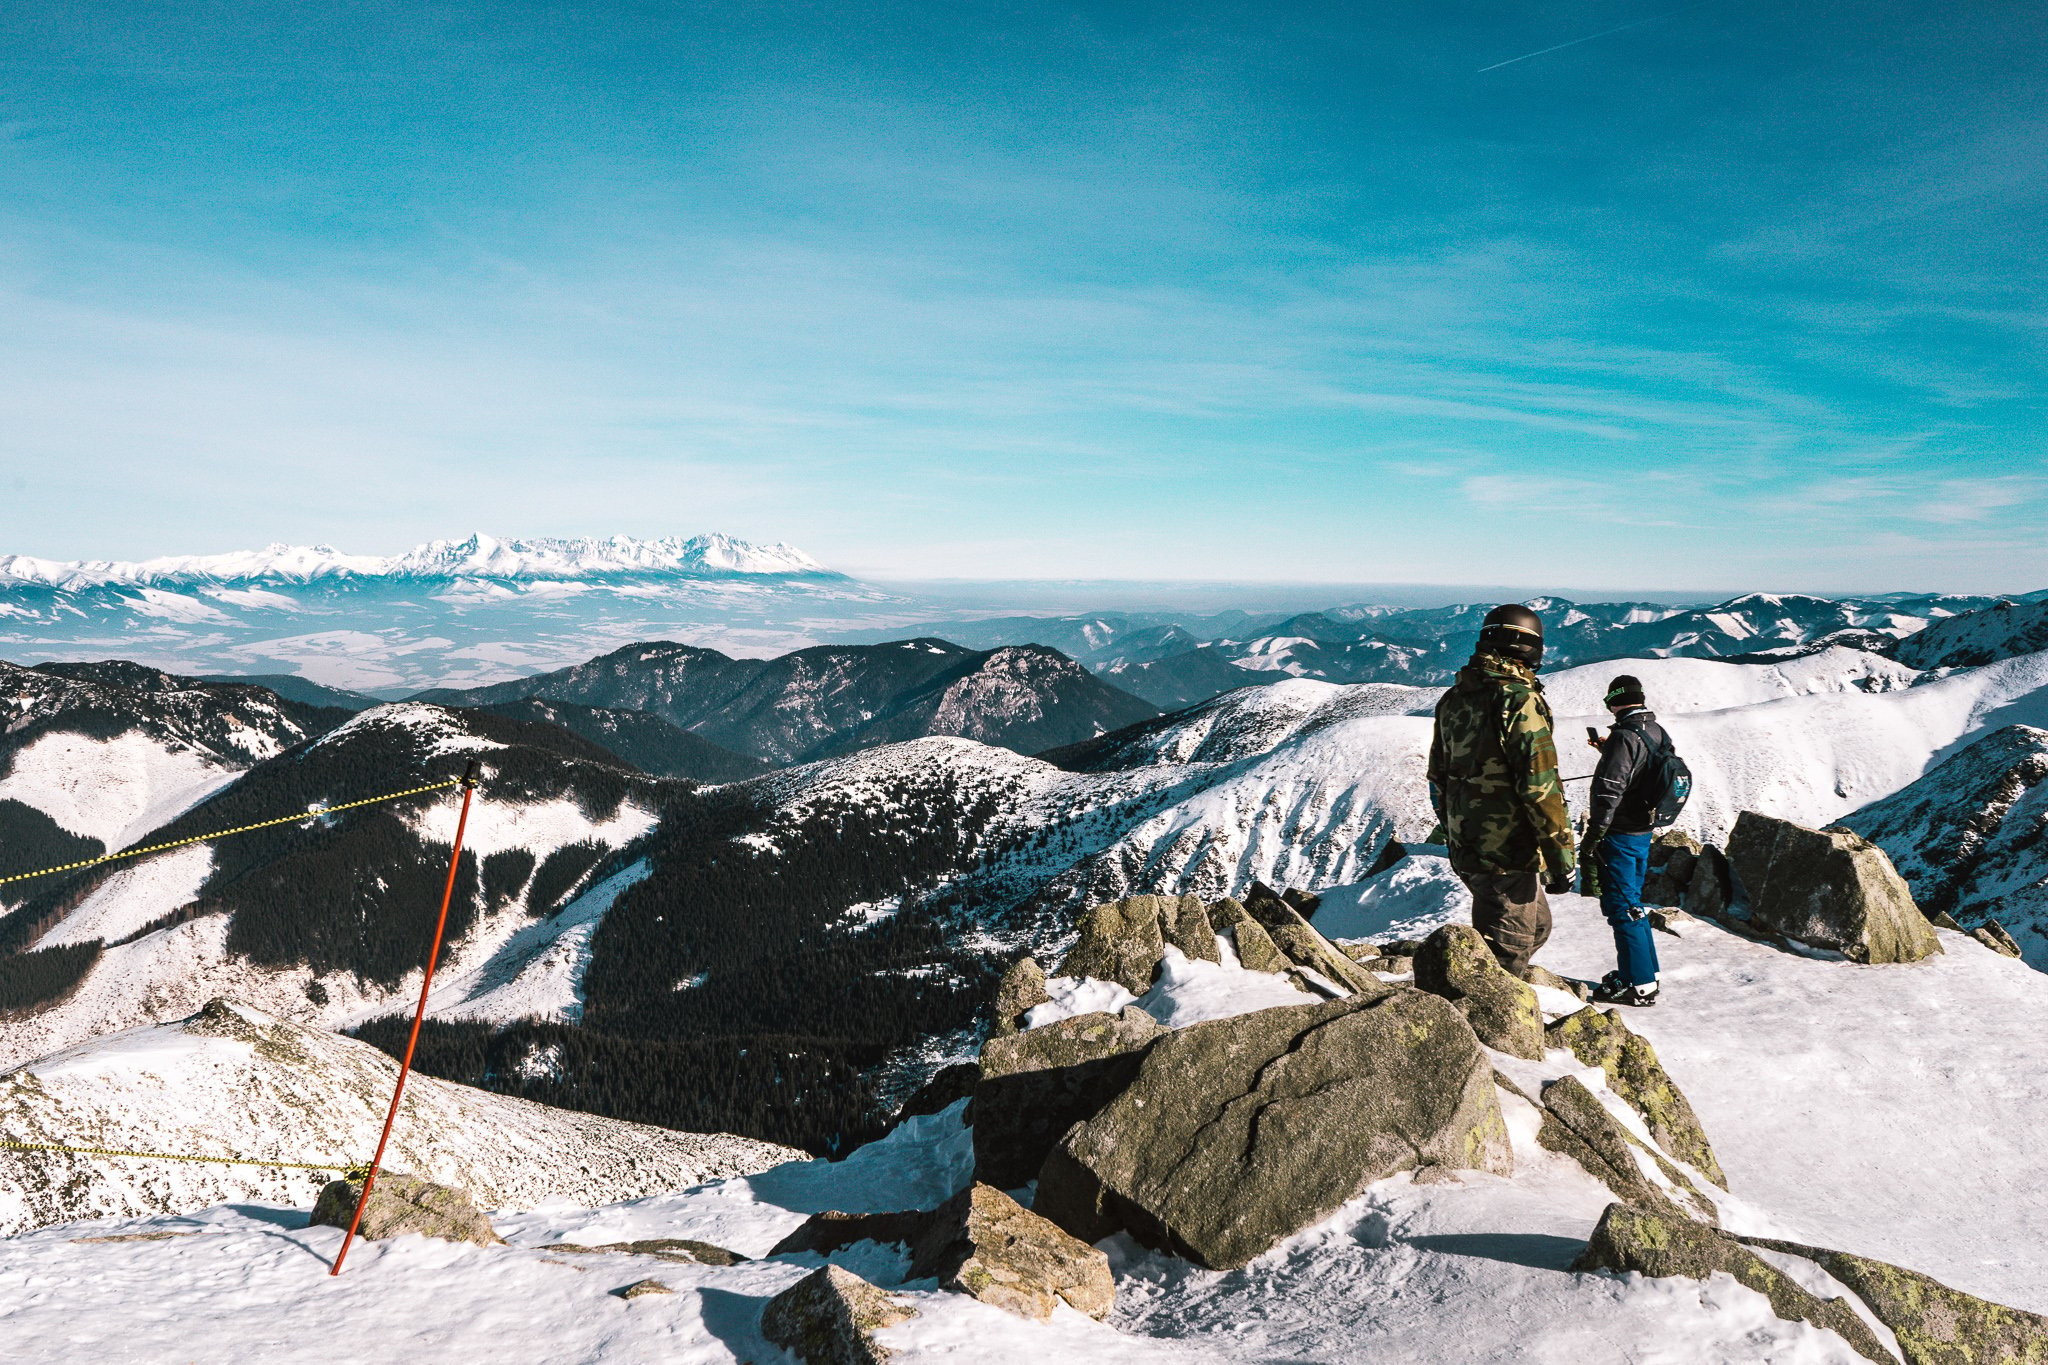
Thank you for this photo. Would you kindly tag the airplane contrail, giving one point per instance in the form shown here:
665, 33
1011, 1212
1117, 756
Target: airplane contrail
1603, 33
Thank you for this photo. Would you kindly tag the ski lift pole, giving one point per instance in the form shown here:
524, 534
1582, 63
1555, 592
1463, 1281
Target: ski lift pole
419, 1015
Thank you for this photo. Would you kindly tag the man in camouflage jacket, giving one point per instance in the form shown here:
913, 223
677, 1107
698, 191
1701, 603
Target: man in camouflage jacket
1493, 779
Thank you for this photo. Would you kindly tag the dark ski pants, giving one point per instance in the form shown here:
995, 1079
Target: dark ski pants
1512, 914
1624, 861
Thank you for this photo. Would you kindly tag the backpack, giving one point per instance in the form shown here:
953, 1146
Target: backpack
1671, 780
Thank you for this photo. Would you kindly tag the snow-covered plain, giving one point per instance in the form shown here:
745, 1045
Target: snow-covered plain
1867, 1108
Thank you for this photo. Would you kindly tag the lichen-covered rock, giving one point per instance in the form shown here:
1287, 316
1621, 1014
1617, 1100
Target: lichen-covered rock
1540, 975
1456, 964
1236, 1133
1255, 948
1036, 1084
1828, 889
642, 1288
1935, 1325
1658, 1244
830, 1317
825, 1233
401, 1203
1304, 903
1022, 987
1577, 1125
1306, 947
1604, 1040
683, 1250
1992, 935
1189, 930
1121, 941
984, 1243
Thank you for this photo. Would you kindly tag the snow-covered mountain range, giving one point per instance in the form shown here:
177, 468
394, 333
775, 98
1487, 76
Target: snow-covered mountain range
861, 900
451, 612
478, 556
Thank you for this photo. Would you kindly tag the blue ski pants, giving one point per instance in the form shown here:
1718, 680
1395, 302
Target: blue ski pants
1624, 861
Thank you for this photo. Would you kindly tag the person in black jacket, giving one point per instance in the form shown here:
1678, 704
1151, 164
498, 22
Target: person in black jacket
1626, 788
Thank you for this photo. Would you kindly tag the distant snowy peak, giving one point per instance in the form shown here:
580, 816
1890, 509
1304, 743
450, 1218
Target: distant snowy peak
478, 556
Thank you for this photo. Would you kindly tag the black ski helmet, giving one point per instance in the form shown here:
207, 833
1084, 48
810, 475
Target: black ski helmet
1515, 632
1626, 690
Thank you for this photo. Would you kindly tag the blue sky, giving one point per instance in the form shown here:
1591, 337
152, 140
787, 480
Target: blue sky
1746, 295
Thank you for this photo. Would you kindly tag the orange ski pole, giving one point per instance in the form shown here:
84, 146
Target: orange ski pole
419, 1014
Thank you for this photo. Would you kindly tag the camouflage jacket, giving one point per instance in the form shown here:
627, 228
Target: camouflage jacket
1493, 772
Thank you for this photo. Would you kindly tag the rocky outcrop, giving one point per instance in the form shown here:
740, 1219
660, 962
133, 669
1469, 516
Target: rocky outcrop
1673, 855
1540, 975
1236, 1133
1022, 988
401, 1203
1935, 1325
1993, 936
1456, 964
1710, 891
682, 1250
1037, 1084
1291, 932
1121, 941
1577, 1125
983, 1243
1604, 1040
1827, 889
1189, 930
1255, 948
1658, 1244
830, 1317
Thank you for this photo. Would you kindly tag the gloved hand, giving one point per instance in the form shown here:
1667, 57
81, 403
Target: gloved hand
1561, 864
1589, 871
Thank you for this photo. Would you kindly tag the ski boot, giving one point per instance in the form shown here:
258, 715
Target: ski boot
1612, 990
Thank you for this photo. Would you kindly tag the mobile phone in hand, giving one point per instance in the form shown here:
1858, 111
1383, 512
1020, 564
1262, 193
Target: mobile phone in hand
1593, 735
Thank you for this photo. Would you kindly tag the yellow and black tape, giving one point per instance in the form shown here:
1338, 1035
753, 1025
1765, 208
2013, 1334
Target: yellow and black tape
313, 814
353, 1170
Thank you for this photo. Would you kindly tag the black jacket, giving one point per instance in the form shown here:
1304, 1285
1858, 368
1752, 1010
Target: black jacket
1622, 799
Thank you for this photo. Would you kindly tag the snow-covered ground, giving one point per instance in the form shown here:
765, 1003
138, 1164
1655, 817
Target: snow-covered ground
1884, 1110
114, 790
234, 1081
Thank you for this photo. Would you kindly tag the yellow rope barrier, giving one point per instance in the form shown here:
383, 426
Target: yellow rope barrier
313, 814
345, 1168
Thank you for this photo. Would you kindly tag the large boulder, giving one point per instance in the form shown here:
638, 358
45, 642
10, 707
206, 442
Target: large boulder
1828, 889
401, 1203
1935, 1325
984, 1243
830, 1317
1710, 891
1577, 1125
1603, 1039
1121, 941
1305, 946
1189, 930
1255, 948
1673, 855
1037, 1084
1236, 1133
1657, 1244
1022, 988
1456, 964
